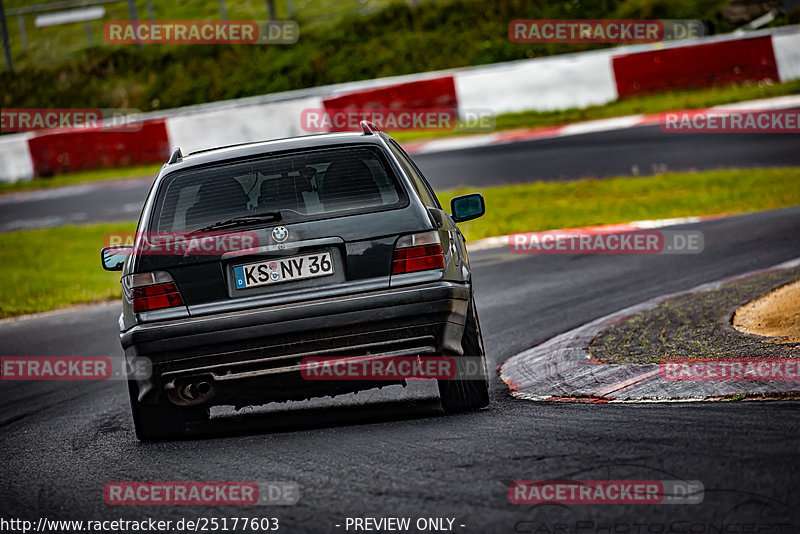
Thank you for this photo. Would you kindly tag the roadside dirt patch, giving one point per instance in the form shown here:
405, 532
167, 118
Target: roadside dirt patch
697, 325
776, 315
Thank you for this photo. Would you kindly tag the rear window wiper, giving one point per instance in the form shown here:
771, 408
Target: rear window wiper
268, 216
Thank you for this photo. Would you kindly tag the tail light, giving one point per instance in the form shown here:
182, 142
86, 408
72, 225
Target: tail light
418, 252
152, 291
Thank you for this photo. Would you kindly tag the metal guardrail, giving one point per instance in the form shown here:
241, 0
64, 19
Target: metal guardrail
61, 5
54, 7
84, 14
58, 6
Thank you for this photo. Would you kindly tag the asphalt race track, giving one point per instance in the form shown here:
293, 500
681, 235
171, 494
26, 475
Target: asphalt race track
393, 454
643, 151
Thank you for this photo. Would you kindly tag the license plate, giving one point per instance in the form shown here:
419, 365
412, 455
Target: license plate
282, 270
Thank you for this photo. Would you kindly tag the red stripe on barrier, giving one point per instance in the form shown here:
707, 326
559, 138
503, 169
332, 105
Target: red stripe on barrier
704, 65
439, 93
82, 149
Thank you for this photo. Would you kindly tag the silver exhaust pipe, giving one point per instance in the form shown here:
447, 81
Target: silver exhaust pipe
196, 391
191, 392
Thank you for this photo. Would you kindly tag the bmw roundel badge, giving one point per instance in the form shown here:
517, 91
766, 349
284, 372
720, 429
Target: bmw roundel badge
280, 234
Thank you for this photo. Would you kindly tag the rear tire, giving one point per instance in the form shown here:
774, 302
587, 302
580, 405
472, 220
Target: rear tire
163, 420
459, 394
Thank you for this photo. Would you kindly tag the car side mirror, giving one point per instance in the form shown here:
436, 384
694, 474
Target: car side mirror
113, 258
467, 207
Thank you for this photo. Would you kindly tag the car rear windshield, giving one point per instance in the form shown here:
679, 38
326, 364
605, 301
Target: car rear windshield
300, 186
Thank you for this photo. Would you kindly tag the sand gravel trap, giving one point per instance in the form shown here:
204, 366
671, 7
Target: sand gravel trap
775, 315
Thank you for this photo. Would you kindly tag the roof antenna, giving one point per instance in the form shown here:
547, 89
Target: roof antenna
176, 156
369, 128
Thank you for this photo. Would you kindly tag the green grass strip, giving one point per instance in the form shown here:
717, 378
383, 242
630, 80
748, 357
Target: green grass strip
46, 269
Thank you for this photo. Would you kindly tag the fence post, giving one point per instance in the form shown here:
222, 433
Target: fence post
89, 36
4, 31
134, 18
22, 35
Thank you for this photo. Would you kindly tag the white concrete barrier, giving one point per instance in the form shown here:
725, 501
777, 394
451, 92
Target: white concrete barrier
787, 55
229, 126
542, 84
15, 158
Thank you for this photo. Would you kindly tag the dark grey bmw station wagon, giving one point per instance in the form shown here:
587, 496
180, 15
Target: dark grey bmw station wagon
344, 252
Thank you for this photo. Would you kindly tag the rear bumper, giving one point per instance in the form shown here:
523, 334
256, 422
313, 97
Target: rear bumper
251, 357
